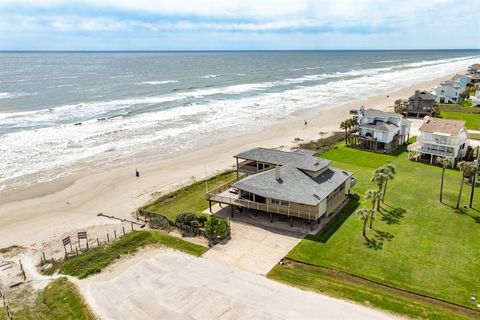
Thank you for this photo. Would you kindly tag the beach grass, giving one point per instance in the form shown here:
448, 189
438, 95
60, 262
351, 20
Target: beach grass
96, 259
416, 244
190, 198
59, 300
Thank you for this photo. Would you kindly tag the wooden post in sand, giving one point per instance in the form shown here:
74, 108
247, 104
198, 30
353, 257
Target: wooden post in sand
108, 238
115, 234
123, 228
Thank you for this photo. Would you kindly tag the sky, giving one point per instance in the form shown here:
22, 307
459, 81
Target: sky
238, 24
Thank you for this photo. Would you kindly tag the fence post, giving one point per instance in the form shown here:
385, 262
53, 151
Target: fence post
115, 233
123, 228
131, 225
98, 243
108, 238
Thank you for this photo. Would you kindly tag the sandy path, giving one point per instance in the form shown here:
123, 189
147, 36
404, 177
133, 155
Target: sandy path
172, 285
43, 212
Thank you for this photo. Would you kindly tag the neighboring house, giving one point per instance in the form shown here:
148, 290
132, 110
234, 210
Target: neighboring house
422, 103
440, 138
474, 69
450, 91
379, 130
476, 99
292, 184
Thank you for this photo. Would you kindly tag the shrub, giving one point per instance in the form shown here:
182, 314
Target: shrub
189, 219
201, 220
216, 227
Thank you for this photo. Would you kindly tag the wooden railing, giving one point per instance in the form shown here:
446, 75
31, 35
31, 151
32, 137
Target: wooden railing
311, 214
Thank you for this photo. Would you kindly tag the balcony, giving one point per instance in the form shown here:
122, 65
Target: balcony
231, 196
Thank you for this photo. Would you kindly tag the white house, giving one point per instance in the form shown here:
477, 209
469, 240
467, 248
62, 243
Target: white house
440, 138
474, 69
449, 91
381, 130
476, 99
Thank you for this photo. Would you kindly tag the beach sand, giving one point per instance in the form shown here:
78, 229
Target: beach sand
44, 212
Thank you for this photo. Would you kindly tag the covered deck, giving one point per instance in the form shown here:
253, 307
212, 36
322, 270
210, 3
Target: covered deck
226, 194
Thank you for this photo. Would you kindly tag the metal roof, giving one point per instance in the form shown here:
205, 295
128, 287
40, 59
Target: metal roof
303, 160
294, 185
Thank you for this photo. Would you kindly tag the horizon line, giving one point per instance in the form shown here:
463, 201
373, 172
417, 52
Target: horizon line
228, 50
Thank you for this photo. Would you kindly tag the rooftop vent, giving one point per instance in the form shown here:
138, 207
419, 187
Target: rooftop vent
316, 196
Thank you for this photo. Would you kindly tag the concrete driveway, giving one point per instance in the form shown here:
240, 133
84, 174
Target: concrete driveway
256, 244
172, 285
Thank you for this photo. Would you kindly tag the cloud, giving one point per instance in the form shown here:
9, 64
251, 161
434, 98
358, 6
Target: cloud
426, 20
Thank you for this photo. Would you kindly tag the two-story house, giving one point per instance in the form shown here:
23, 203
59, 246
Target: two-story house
380, 130
440, 138
422, 103
292, 184
450, 91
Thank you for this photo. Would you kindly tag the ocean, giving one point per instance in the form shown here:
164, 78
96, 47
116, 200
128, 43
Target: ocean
62, 112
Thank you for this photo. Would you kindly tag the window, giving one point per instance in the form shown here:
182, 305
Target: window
280, 203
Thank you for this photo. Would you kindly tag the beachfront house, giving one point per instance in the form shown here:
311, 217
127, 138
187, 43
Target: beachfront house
450, 91
290, 184
440, 138
422, 103
476, 99
474, 69
379, 130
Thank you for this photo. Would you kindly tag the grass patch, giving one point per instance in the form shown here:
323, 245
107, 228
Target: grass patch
187, 199
316, 279
324, 144
418, 244
472, 120
96, 259
474, 136
463, 111
59, 300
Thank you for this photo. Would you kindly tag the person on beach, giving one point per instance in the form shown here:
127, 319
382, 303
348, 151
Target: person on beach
137, 173
305, 122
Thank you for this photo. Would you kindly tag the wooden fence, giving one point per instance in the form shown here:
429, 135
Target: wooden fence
157, 220
6, 306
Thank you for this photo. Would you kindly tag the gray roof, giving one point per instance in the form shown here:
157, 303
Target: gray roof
379, 113
381, 126
294, 185
424, 95
303, 160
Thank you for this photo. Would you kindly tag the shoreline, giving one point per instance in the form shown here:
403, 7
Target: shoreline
73, 202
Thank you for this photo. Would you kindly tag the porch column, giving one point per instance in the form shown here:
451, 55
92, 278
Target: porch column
431, 158
237, 166
271, 217
210, 205
232, 207
291, 221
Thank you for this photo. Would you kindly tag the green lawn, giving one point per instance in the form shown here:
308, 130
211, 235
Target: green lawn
419, 244
59, 300
96, 259
463, 111
474, 136
472, 120
187, 199
322, 281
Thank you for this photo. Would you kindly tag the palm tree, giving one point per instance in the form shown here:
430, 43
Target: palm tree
379, 177
344, 126
467, 169
445, 163
365, 214
389, 170
374, 196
